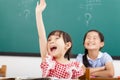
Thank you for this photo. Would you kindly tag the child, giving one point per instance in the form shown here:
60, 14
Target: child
100, 63
55, 51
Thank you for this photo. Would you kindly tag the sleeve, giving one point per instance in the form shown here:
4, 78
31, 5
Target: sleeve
107, 58
79, 58
46, 65
78, 71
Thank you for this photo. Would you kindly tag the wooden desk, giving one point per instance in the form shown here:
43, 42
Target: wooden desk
7, 78
25, 79
104, 79
3, 71
87, 77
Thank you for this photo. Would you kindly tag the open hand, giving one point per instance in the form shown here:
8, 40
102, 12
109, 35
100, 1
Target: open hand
40, 6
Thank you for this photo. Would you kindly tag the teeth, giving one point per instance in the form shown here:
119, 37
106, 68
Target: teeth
91, 44
53, 48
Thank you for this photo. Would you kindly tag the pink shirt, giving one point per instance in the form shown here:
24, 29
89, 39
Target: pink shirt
51, 68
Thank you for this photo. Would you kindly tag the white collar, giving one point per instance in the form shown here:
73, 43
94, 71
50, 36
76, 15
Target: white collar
99, 56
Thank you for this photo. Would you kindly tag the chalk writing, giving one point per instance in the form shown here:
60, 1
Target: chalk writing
88, 17
88, 6
25, 8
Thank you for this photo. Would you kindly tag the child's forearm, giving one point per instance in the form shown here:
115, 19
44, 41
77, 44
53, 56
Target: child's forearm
41, 34
40, 26
103, 73
92, 70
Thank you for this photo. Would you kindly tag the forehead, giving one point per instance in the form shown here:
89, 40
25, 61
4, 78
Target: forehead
56, 34
92, 33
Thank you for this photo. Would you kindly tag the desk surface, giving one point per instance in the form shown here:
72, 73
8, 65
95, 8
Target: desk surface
101, 78
50, 79
25, 79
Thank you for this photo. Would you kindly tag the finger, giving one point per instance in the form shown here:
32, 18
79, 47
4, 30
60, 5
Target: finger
37, 3
42, 1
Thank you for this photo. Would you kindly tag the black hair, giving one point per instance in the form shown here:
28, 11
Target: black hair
66, 38
85, 60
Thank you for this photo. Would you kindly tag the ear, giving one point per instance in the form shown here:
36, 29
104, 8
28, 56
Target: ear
68, 45
102, 44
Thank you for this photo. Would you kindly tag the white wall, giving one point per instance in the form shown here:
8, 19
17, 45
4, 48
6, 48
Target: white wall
21, 66
28, 67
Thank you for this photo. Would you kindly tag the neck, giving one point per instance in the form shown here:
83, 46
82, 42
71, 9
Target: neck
62, 60
93, 54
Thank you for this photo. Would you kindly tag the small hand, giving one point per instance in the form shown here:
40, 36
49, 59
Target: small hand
40, 6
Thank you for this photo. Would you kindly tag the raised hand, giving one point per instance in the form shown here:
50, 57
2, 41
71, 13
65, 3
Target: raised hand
40, 6
41, 28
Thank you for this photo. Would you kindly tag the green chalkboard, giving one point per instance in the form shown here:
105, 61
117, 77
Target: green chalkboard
18, 32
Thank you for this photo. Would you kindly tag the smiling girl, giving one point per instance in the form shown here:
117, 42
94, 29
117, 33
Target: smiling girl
55, 51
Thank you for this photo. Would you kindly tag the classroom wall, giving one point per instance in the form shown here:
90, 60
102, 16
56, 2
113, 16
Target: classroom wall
29, 67
21, 66
18, 31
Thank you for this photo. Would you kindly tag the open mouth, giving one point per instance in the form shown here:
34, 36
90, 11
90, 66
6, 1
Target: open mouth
53, 49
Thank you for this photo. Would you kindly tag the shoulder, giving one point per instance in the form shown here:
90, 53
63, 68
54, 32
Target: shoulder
48, 59
105, 54
106, 57
49, 62
79, 57
76, 64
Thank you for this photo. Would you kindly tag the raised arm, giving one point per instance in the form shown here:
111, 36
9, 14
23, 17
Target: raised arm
41, 29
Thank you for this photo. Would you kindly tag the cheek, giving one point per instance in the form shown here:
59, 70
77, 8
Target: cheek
61, 43
85, 43
85, 46
48, 49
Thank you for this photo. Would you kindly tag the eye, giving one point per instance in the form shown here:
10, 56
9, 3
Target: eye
87, 37
95, 38
49, 39
57, 37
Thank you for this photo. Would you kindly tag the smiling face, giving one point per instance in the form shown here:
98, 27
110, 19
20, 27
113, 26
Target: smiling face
93, 41
58, 44
55, 45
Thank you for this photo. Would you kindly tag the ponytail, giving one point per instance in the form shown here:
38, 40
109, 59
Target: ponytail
85, 60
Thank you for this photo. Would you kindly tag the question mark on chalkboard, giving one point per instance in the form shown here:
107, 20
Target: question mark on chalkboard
88, 17
26, 13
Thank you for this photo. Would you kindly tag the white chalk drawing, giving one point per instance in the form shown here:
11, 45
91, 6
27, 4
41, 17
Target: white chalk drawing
25, 8
26, 13
88, 17
88, 6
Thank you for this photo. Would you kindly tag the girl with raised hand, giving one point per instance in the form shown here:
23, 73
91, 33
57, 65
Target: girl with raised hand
55, 51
